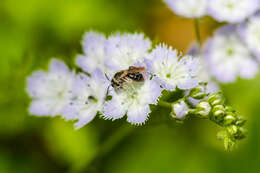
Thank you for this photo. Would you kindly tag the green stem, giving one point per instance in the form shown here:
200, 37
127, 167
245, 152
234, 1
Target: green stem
164, 104
197, 31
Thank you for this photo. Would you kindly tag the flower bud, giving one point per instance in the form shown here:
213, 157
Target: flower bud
232, 130
197, 93
180, 110
229, 109
241, 121
229, 119
229, 143
215, 99
218, 112
241, 133
203, 108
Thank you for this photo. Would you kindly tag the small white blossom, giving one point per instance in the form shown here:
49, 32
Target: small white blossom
227, 57
133, 100
250, 32
88, 97
171, 70
50, 90
233, 11
94, 52
188, 8
125, 50
180, 110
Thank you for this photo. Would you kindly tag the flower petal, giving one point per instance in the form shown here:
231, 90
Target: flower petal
137, 114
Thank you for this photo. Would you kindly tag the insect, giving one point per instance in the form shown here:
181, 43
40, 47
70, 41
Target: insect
132, 74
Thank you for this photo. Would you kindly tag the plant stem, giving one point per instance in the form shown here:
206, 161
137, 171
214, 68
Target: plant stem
197, 31
164, 104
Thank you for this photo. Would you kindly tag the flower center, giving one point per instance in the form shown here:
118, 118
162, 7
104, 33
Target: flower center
168, 75
230, 52
230, 5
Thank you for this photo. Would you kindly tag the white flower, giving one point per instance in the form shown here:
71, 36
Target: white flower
88, 97
94, 52
233, 11
188, 8
180, 110
250, 33
125, 50
50, 90
172, 72
133, 100
227, 57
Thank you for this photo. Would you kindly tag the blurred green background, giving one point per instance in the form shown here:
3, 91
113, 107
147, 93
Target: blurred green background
33, 31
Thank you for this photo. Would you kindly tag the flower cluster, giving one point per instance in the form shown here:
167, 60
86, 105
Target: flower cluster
233, 51
106, 85
122, 75
228, 57
231, 11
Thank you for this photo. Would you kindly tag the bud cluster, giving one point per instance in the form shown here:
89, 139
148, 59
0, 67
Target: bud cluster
224, 116
213, 107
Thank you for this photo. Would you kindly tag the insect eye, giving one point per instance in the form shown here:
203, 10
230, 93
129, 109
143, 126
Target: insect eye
131, 76
136, 77
139, 77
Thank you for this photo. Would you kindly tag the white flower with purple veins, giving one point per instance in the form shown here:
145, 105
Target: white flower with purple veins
171, 70
50, 90
133, 100
188, 8
180, 110
88, 97
227, 57
94, 52
125, 50
233, 11
250, 33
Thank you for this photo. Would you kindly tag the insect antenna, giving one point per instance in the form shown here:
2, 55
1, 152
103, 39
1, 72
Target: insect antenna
107, 77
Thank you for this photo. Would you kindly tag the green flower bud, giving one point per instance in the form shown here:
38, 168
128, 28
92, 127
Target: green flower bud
215, 99
229, 119
203, 108
218, 107
197, 93
218, 112
229, 109
228, 144
232, 130
240, 121
241, 133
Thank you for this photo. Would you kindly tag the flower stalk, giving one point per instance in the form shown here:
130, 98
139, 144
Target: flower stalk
197, 32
